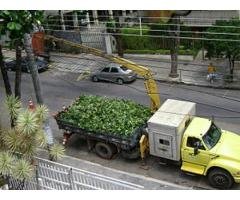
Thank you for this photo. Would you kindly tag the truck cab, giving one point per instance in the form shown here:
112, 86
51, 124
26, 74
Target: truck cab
175, 133
207, 150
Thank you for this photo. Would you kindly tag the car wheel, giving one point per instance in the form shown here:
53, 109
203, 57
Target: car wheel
119, 81
220, 179
94, 79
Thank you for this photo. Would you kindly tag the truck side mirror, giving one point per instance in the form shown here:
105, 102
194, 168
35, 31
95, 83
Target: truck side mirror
195, 150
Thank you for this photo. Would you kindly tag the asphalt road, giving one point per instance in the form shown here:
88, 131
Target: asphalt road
60, 88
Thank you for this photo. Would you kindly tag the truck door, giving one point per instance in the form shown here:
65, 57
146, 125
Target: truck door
104, 74
194, 162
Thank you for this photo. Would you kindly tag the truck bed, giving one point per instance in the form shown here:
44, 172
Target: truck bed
124, 142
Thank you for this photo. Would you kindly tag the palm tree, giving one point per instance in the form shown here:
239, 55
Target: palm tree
19, 145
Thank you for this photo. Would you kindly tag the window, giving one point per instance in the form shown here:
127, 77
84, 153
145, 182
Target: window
195, 142
114, 70
212, 136
164, 142
106, 69
124, 68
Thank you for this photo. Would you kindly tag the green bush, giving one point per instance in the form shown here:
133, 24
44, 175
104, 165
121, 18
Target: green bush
156, 45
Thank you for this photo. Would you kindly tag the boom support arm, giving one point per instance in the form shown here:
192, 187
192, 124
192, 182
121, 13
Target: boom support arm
149, 83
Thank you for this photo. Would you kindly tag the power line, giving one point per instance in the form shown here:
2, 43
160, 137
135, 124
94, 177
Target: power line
146, 17
152, 30
156, 36
162, 24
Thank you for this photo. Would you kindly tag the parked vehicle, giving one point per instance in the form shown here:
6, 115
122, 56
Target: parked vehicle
174, 133
114, 73
41, 63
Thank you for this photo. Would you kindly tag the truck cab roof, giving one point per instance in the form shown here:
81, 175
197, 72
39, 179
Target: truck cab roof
198, 127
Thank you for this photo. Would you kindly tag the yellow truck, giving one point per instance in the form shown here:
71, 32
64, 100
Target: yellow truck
175, 133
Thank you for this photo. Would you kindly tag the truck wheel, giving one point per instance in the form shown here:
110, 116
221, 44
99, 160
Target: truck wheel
221, 179
104, 150
132, 154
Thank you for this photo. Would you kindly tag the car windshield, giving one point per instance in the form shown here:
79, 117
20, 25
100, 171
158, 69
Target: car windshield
212, 136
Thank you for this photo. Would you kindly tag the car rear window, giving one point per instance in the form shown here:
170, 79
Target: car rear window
124, 68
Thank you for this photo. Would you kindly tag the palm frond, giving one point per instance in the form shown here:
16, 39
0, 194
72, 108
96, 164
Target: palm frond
6, 163
56, 152
11, 140
23, 170
14, 105
27, 122
2, 144
41, 112
41, 138
29, 150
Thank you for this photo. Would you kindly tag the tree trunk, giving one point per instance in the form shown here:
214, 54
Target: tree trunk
119, 45
231, 69
36, 84
174, 48
5, 75
33, 68
18, 69
119, 38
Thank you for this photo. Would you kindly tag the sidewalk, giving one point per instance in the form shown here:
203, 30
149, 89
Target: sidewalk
191, 72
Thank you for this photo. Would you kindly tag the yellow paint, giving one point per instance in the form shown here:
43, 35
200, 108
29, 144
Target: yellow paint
144, 146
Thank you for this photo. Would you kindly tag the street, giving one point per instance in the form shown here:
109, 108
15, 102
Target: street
60, 88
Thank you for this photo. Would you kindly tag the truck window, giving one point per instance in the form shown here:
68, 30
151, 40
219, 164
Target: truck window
212, 136
195, 142
164, 142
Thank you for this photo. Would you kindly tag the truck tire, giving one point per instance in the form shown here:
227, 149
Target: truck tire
220, 179
104, 150
132, 154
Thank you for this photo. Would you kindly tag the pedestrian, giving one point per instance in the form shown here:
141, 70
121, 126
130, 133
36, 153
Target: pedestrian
211, 72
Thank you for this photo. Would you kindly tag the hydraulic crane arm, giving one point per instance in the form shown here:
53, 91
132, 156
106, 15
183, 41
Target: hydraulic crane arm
149, 83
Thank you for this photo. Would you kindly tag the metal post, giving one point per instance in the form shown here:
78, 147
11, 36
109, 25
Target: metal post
180, 75
110, 14
95, 17
88, 20
140, 25
37, 178
75, 20
70, 179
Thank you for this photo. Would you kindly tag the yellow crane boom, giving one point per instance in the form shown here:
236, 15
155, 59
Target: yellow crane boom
150, 84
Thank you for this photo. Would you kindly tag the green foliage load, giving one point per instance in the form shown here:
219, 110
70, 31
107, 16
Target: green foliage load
108, 116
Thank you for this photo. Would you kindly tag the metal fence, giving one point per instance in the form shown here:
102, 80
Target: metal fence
54, 176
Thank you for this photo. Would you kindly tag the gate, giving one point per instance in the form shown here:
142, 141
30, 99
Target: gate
54, 176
